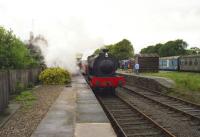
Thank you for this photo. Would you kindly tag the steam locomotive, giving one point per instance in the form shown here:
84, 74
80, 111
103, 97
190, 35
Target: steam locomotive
100, 70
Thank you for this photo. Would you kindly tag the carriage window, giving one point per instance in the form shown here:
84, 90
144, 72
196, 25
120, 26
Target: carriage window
180, 62
196, 62
175, 62
160, 62
186, 62
190, 62
165, 63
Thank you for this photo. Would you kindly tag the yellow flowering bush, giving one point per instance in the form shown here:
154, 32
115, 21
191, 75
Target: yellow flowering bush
55, 76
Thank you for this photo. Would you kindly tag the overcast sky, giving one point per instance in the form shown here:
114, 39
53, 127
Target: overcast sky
73, 26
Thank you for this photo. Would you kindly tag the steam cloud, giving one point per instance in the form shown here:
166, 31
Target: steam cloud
65, 42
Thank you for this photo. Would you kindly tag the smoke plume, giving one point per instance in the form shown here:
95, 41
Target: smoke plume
65, 41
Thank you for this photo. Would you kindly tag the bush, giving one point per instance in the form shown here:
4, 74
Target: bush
55, 76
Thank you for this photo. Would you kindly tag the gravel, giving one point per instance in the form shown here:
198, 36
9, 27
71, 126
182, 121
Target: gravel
26, 119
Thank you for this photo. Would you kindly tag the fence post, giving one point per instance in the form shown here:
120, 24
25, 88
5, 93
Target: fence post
4, 89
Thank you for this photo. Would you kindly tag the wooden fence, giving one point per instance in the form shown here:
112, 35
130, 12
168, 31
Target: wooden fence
4, 90
12, 81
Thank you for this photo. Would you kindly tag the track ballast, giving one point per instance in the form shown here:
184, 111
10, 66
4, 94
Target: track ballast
165, 110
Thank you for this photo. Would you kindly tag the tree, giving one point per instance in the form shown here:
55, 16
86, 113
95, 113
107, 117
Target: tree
170, 48
173, 48
13, 52
149, 49
97, 51
121, 50
193, 50
35, 51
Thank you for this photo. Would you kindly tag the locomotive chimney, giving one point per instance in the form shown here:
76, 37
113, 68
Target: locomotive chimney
105, 51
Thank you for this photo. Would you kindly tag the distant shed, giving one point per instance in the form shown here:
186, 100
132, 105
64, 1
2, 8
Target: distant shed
147, 62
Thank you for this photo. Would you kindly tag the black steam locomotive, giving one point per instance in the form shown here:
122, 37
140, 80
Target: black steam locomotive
100, 71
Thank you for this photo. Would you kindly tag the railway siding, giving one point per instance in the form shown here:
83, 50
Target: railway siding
187, 108
172, 120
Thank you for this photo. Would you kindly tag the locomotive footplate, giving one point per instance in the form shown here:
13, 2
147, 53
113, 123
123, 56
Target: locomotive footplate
103, 82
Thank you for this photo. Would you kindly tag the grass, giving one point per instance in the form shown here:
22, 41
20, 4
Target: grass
185, 81
26, 98
187, 84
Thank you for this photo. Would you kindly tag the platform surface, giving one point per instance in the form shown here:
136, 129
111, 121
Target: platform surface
75, 113
88, 108
166, 82
94, 130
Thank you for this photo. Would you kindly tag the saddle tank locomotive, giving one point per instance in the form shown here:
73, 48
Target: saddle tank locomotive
101, 72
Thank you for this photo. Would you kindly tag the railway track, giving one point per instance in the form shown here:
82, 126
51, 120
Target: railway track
177, 116
128, 121
186, 108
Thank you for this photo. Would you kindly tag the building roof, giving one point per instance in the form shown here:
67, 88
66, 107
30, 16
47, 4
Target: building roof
146, 55
171, 57
191, 56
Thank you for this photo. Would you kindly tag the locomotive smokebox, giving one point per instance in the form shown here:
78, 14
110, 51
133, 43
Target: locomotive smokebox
102, 64
107, 66
101, 71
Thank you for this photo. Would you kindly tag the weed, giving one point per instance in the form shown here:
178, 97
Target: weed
19, 86
26, 98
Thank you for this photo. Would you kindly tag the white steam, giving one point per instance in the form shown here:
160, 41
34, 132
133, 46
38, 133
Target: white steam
65, 40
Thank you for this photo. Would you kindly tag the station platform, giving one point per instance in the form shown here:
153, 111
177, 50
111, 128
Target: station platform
75, 113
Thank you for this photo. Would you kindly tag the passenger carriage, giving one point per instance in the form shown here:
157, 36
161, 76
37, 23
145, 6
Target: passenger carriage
190, 63
169, 63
